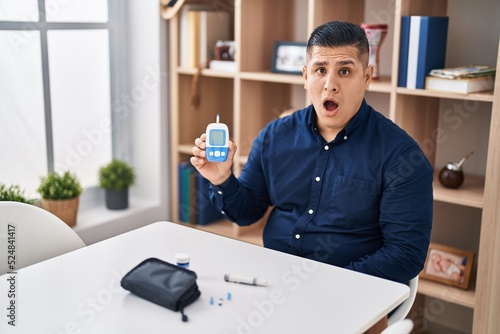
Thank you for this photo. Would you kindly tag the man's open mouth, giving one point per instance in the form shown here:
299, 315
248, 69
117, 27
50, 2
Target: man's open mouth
330, 105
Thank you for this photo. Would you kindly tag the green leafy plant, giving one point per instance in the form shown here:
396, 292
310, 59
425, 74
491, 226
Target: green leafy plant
59, 186
116, 175
13, 193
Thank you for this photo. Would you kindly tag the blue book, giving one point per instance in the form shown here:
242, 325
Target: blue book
185, 190
180, 186
206, 212
432, 50
427, 48
403, 50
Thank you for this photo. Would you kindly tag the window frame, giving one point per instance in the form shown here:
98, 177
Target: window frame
116, 19
43, 26
142, 135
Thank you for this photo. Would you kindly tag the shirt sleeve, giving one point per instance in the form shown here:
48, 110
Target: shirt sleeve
405, 219
244, 200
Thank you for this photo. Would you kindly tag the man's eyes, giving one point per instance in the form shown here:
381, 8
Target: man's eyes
343, 71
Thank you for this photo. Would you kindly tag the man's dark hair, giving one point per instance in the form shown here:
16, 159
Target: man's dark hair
336, 33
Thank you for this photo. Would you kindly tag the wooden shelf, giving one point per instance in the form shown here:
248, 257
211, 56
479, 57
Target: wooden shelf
484, 97
206, 72
471, 193
382, 85
186, 148
295, 79
447, 293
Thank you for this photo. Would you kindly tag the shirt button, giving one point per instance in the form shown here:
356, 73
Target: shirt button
311, 211
219, 192
345, 137
318, 178
327, 147
223, 212
297, 236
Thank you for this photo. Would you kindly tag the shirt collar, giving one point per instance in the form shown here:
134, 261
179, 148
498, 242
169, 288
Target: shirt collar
358, 119
350, 128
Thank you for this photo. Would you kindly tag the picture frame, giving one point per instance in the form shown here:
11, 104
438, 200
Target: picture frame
288, 57
448, 265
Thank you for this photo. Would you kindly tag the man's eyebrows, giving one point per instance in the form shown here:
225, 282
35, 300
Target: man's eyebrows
320, 63
343, 62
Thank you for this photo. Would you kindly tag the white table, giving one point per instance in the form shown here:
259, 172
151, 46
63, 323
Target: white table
80, 292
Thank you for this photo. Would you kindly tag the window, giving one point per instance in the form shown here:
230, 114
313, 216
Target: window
56, 89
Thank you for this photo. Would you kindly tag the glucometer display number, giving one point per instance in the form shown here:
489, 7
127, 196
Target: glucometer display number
217, 137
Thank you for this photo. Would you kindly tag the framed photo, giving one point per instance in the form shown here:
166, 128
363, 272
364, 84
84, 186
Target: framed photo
288, 57
448, 265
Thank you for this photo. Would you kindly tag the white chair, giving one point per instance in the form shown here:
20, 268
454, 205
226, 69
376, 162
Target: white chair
401, 327
403, 309
37, 235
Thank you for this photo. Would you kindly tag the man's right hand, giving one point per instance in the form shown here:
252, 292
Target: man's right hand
215, 172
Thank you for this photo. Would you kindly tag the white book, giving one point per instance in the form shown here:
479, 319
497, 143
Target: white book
223, 65
185, 38
411, 74
463, 86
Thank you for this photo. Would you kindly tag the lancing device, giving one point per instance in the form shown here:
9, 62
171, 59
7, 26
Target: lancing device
245, 280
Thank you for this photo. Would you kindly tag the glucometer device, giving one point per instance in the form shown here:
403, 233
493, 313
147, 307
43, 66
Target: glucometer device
217, 143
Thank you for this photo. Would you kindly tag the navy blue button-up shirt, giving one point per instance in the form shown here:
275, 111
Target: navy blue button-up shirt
362, 201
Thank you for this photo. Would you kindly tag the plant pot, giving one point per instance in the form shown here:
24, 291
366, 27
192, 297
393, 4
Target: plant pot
116, 199
64, 209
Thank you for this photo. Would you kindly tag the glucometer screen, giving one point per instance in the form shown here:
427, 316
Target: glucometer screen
217, 138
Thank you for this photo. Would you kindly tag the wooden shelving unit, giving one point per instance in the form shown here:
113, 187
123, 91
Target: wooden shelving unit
251, 97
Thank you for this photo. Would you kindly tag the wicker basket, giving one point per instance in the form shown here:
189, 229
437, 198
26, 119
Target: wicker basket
65, 209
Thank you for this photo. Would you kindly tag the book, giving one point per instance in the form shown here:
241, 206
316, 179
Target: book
460, 85
186, 183
223, 65
195, 206
200, 28
403, 51
471, 71
413, 46
426, 48
190, 34
193, 55
182, 208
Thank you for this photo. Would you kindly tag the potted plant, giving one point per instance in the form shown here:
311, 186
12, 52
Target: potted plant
60, 195
116, 178
13, 194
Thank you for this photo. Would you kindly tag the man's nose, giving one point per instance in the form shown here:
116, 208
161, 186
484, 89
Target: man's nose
331, 83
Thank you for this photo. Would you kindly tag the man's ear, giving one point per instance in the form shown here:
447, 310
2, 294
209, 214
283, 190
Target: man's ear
304, 75
368, 75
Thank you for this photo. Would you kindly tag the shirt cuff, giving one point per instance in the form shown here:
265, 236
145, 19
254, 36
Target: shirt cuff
219, 194
230, 186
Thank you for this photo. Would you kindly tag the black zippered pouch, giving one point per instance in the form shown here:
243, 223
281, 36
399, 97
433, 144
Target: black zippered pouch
163, 283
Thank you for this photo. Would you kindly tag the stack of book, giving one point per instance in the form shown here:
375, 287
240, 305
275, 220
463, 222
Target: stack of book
194, 201
422, 48
201, 27
463, 79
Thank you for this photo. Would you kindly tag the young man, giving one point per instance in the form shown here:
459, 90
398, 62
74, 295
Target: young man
348, 187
